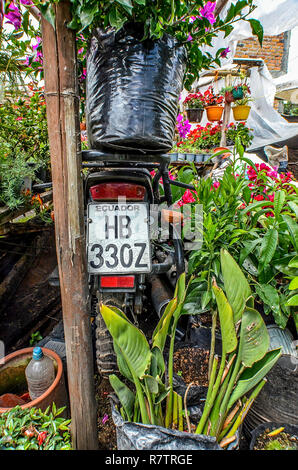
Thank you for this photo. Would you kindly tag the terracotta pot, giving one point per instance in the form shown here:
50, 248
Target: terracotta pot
214, 113
219, 149
194, 114
13, 380
241, 113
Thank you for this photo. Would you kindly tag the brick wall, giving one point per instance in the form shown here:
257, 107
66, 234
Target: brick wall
274, 52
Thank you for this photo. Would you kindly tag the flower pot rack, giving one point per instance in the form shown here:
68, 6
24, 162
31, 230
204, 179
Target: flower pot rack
228, 75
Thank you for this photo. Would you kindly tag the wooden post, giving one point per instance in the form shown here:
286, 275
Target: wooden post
226, 115
62, 99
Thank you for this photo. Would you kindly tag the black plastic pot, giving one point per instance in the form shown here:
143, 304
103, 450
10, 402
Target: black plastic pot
289, 429
137, 436
132, 90
194, 114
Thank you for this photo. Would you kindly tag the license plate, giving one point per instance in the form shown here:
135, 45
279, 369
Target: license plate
118, 238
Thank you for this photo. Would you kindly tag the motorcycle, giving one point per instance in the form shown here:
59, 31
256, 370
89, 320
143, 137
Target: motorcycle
130, 254
127, 254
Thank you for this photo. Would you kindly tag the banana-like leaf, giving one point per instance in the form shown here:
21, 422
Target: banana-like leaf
151, 383
227, 326
253, 375
157, 362
125, 395
236, 286
254, 337
292, 301
131, 342
162, 329
180, 288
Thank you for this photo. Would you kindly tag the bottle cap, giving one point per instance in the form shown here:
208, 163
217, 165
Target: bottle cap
37, 353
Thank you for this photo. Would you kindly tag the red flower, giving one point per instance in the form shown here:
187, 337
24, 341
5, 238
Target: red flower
41, 437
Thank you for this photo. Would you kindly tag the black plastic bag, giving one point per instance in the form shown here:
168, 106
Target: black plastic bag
132, 90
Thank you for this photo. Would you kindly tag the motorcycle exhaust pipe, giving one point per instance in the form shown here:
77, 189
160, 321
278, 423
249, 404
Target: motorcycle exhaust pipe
161, 294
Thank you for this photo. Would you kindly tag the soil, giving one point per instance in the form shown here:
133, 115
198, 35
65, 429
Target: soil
281, 441
191, 364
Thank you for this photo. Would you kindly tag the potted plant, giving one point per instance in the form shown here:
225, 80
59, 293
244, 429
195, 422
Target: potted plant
213, 104
274, 436
242, 96
194, 103
236, 378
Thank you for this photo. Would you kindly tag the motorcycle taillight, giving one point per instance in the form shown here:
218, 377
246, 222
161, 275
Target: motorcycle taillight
112, 191
117, 282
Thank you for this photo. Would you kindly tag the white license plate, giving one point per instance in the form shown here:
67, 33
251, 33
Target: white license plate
118, 238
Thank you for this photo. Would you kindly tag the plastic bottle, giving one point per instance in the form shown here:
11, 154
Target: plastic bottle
40, 373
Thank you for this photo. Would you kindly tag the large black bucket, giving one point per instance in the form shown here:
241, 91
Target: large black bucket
132, 91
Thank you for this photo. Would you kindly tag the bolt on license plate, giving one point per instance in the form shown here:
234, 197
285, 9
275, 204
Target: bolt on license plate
118, 238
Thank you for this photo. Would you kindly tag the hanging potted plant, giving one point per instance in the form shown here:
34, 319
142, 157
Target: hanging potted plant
241, 109
194, 103
213, 104
150, 415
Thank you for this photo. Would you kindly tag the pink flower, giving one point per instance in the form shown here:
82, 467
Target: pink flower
187, 197
207, 12
80, 51
19, 118
216, 184
14, 16
38, 41
105, 418
26, 2
225, 52
189, 37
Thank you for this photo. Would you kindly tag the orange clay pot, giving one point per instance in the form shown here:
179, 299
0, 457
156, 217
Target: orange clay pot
214, 113
13, 379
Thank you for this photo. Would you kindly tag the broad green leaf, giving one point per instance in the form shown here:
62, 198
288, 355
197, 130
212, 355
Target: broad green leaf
151, 383
162, 329
293, 301
157, 362
237, 288
254, 206
294, 283
257, 29
254, 337
227, 327
131, 342
279, 200
253, 375
126, 4
293, 229
180, 289
268, 246
125, 395
294, 262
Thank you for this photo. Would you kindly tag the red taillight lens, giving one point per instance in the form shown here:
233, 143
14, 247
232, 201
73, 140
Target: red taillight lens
117, 282
112, 191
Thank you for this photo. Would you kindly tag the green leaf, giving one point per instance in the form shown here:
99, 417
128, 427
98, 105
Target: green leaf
227, 326
293, 301
253, 375
127, 5
293, 207
294, 262
257, 29
254, 206
162, 329
293, 229
268, 246
151, 383
125, 395
131, 342
48, 13
254, 337
279, 200
236, 286
294, 283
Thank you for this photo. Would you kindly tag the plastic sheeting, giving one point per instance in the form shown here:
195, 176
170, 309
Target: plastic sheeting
132, 90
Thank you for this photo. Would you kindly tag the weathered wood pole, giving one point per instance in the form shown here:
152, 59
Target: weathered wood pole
62, 99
